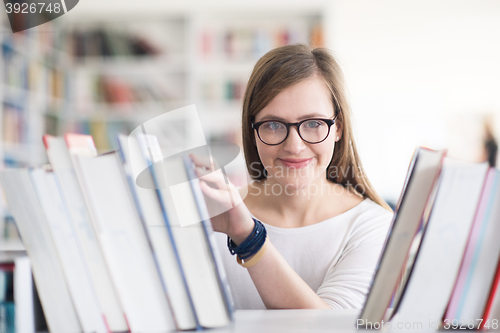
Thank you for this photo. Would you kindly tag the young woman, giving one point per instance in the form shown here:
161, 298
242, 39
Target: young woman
311, 227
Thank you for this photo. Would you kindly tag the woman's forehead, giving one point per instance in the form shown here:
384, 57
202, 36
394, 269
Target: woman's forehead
307, 99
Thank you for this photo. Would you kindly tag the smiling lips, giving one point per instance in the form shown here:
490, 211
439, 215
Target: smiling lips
295, 163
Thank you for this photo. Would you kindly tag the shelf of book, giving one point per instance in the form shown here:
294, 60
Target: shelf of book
168, 63
100, 77
32, 81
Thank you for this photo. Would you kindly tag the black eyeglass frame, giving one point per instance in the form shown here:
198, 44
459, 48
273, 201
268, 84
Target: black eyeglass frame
329, 122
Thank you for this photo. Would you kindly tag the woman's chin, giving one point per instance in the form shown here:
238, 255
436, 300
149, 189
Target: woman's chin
295, 184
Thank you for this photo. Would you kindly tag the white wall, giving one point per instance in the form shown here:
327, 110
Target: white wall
419, 73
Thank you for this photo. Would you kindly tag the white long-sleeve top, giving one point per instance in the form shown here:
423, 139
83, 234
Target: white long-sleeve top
335, 257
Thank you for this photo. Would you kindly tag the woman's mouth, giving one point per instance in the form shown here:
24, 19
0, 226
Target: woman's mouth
295, 163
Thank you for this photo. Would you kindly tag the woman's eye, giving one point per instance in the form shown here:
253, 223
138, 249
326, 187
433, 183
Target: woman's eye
313, 124
273, 125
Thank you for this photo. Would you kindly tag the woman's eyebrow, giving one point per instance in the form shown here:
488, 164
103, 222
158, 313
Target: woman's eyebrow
314, 115
307, 116
271, 117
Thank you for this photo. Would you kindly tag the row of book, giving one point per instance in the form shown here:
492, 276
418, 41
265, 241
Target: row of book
41, 41
20, 308
25, 70
440, 263
103, 132
41, 90
253, 41
122, 90
15, 70
109, 43
27, 80
228, 90
29, 88
13, 124
109, 255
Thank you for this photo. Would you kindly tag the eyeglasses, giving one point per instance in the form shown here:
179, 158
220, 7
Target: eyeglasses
275, 132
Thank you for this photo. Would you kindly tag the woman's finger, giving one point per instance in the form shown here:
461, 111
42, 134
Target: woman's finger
219, 201
207, 161
202, 161
216, 178
202, 171
235, 194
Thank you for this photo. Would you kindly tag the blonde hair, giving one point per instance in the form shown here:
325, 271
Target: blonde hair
283, 67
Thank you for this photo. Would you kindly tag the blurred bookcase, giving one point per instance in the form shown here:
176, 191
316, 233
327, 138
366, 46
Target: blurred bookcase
33, 83
102, 75
122, 73
126, 71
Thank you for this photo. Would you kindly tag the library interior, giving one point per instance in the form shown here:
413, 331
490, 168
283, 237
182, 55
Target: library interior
417, 74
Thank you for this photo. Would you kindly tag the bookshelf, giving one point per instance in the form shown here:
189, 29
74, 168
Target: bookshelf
33, 83
102, 76
121, 75
190, 59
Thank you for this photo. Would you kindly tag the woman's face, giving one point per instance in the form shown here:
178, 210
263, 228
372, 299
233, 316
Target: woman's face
295, 163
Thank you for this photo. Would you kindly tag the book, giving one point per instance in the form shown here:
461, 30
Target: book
438, 260
478, 267
118, 43
124, 243
47, 271
209, 234
185, 221
68, 249
7, 305
492, 308
29, 315
62, 164
24, 295
415, 199
152, 212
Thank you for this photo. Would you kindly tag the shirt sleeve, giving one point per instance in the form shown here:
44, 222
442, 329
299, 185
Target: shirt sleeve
347, 280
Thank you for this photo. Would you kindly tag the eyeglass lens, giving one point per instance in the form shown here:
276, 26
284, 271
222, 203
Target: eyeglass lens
274, 132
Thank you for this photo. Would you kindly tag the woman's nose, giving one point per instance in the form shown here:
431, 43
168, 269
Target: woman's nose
294, 143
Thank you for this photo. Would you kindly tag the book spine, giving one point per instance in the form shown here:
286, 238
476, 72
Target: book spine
86, 230
146, 147
209, 234
417, 240
459, 290
127, 172
491, 298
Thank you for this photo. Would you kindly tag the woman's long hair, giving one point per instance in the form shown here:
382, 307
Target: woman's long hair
288, 65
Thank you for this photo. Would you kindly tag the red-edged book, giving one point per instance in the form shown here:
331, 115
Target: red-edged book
492, 308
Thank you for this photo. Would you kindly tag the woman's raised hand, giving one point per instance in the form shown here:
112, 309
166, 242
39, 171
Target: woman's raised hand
226, 208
